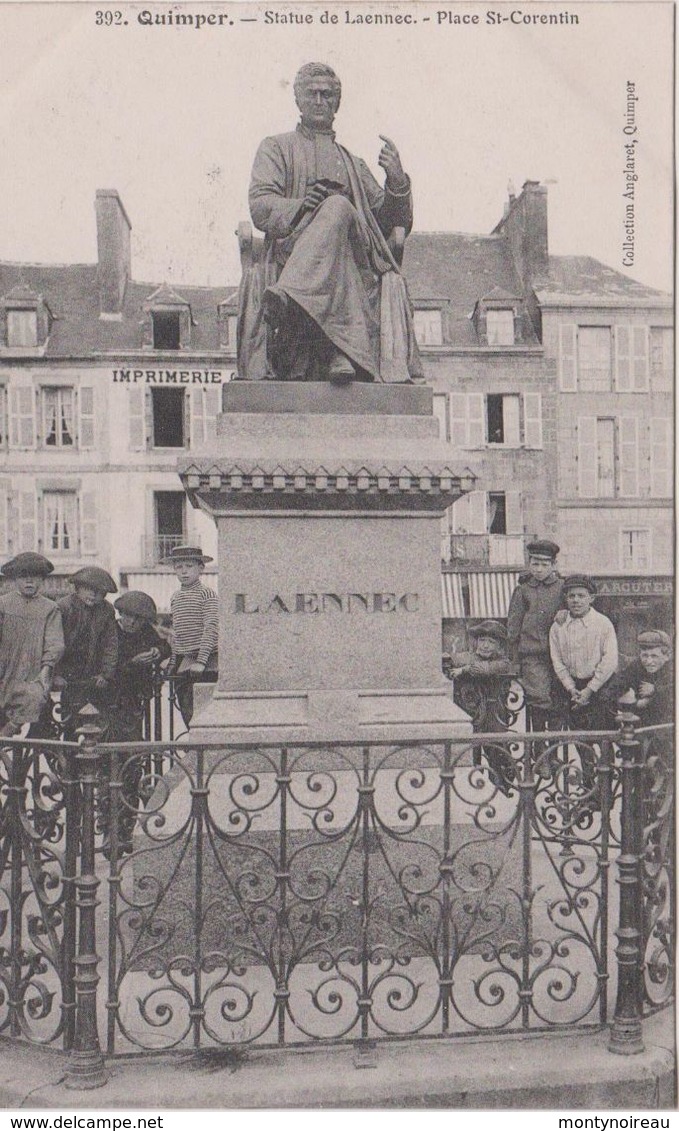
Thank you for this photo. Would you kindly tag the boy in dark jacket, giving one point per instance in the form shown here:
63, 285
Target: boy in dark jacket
88, 664
646, 686
533, 606
139, 649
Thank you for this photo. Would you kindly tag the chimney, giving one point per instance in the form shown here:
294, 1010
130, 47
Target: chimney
113, 252
524, 226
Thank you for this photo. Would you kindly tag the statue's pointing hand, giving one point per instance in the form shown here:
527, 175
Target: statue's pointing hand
391, 163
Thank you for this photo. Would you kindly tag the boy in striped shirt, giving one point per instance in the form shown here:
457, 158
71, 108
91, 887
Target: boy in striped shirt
194, 627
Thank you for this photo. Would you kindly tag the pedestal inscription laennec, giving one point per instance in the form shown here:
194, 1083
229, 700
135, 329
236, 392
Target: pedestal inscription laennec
324, 297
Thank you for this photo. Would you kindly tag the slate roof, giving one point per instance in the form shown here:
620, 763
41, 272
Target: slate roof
461, 269
71, 292
573, 277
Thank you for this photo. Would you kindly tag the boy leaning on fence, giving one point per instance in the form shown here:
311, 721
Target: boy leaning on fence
86, 670
140, 649
31, 643
194, 627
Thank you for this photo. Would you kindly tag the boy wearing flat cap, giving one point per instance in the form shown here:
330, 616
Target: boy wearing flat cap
194, 627
31, 643
646, 686
88, 665
532, 608
476, 687
139, 648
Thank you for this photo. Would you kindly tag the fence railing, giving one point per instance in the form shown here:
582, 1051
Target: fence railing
295, 895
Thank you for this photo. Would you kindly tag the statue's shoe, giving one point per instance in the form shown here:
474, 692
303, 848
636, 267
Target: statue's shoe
340, 369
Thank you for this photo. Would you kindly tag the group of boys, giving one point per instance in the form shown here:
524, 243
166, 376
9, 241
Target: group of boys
77, 646
565, 654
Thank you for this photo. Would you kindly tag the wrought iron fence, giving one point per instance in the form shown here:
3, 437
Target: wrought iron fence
290, 895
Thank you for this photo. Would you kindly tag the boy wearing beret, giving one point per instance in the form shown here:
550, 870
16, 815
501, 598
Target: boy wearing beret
31, 643
646, 686
477, 687
89, 661
139, 648
532, 608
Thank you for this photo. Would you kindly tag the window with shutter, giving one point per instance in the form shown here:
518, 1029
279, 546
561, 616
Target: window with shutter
568, 381
469, 513
212, 407
532, 420
58, 412
198, 427
477, 420
661, 348
605, 455
86, 412
594, 359
22, 328
500, 327
661, 457
428, 327
21, 416
60, 522
629, 456
587, 457
635, 550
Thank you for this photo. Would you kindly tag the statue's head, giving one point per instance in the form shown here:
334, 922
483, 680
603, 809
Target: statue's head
317, 93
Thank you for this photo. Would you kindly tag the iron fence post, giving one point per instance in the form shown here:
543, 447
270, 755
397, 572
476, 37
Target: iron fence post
85, 1069
626, 1036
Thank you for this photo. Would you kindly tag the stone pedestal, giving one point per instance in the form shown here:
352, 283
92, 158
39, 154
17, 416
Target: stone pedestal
327, 501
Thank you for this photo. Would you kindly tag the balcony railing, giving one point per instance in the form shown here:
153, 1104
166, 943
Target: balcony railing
483, 549
157, 549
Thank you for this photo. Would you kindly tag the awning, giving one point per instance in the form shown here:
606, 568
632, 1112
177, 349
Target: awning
451, 595
489, 593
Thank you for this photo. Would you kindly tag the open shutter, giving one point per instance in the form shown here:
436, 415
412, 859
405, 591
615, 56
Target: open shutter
623, 359
440, 406
476, 403
513, 515
21, 416
86, 414
510, 420
4, 518
478, 522
136, 410
568, 373
459, 420
532, 420
212, 397
640, 358
198, 430
587, 457
629, 456
661, 457
28, 521
88, 522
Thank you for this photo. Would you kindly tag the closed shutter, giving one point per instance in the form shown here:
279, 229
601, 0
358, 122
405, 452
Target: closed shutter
587, 457
88, 522
513, 515
568, 374
21, 416
459, 420
661, 457
28, 521
86, 412
629, 456
136, 410
532, 412
623, 359
212, 406
640, 358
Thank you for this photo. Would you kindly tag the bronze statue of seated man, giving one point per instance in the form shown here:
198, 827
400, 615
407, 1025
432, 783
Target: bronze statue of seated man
326, 300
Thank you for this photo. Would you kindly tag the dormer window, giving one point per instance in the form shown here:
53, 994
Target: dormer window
428, 327
227, 320
22, 328
500, 327
166, 330
168, 321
